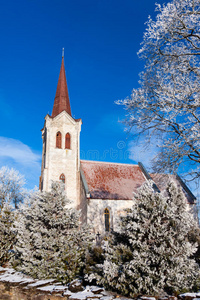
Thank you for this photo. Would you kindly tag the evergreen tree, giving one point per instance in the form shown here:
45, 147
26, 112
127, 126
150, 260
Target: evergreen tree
51, 243
7, 234
151, 252
11, 194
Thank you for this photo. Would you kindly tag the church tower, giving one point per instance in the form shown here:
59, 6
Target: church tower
61, 144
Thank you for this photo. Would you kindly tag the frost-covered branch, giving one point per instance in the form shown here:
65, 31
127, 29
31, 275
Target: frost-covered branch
11, 187
166, 107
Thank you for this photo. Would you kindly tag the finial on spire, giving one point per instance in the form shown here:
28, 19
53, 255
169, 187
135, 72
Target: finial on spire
62, 52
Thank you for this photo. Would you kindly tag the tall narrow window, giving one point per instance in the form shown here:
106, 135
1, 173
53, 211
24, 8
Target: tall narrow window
67, 141
58, 140
62, 178
107, 219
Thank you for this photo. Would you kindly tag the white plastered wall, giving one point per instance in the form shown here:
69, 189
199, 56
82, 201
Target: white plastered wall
62, 161
96, 208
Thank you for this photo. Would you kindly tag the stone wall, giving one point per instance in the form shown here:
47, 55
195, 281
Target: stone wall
11, 291
17, 286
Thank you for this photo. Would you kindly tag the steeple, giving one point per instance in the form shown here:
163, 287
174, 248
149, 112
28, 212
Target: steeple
61, 101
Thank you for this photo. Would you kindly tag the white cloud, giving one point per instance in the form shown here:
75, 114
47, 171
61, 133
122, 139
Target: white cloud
18, 151
17, 155
141, 154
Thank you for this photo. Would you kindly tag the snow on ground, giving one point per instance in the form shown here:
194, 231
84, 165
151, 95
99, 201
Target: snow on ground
14, 277
192, 295
40, 282
95, 289
47, 288
89, 292
8, 270
67, 293
107, 297
84, 295
53, 288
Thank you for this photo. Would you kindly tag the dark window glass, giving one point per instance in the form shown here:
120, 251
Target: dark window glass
67, 141
107, 219
58, 140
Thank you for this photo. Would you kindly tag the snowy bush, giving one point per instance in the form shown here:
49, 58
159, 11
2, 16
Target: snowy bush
151, 253
94, 257
51, 242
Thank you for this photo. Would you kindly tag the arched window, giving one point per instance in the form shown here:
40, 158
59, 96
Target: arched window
62, 178
67, 141
107, 219
58, 140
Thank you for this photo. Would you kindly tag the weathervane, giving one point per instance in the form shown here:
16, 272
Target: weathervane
62, 52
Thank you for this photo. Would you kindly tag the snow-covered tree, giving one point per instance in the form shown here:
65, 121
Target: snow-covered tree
11, 194
166, 107
152, 253
7, 233
11, 187
51, 242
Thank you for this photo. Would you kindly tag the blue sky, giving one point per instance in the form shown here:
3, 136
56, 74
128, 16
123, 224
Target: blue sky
101, 39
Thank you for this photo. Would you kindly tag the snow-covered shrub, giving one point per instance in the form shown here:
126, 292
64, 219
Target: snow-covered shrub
95, 256
151, 253
7, 234
194, 237
51, 242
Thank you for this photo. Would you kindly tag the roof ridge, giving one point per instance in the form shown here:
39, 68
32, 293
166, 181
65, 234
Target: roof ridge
106, 162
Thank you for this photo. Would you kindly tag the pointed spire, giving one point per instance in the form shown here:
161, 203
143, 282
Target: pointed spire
61, 101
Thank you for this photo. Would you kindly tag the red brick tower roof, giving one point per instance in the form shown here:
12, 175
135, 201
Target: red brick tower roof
61, 101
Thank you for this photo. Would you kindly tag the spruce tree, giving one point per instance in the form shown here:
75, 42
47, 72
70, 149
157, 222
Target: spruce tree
7, 233
51, 243
151, 252
12, 193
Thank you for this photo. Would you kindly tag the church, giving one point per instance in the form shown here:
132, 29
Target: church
101, 190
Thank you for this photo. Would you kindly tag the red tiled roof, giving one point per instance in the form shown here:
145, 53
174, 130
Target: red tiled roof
119, 181
161, 181
112, 180
61, 101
